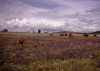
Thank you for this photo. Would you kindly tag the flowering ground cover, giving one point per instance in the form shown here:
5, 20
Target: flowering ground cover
53, 53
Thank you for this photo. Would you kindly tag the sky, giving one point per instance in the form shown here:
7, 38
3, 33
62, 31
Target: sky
50, 15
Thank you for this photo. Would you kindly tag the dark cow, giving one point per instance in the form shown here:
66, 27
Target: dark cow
20, 42
95, 35
51, 34
85, 35
66, 34
70, 35
61, 34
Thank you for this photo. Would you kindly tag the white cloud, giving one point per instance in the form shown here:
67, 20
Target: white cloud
74, 15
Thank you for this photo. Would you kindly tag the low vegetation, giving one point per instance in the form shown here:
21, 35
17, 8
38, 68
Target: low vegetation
42, 52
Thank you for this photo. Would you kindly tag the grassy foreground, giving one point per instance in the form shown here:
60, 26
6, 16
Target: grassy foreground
53, 53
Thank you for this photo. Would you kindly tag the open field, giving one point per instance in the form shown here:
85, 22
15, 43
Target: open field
53, 53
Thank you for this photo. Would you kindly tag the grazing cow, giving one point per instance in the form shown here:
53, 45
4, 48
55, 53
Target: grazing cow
85, 35
34, 45
70, 35
61, 34
51, 34
20, 42
66, 34
94, 35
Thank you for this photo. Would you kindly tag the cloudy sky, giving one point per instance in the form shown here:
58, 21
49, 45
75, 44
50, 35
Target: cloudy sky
50, 15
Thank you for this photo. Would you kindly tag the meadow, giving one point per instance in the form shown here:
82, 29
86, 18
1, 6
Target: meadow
53, 53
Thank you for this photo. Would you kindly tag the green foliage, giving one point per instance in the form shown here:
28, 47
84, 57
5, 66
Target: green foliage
5, 30
39, 31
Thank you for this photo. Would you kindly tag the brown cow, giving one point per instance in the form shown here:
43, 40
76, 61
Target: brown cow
61, 34
34, 45
85, 35
20, 42
95, 35
70, 35
66, 34
51, 34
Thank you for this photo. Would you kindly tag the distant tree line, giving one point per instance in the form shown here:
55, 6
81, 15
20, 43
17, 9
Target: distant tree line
5, 30
39, 31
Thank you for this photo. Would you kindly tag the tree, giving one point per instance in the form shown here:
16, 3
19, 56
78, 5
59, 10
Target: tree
33, 31
5, 30
39, 31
